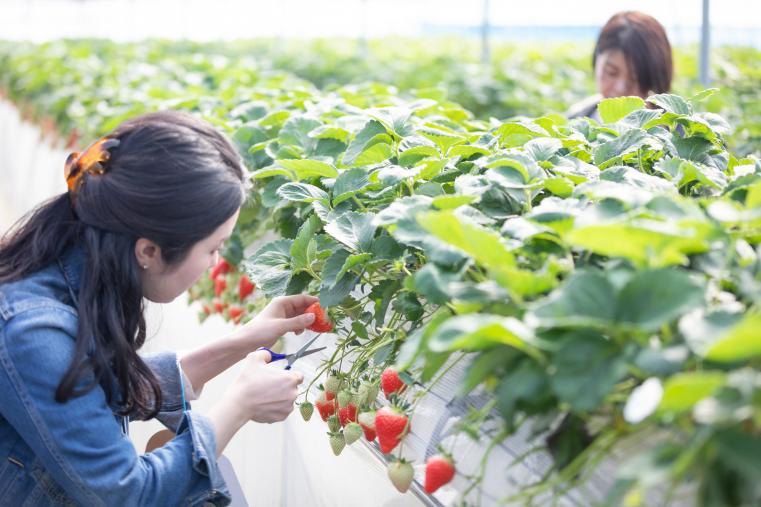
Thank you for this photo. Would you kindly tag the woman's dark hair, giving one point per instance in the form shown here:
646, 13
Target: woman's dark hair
643, 41
172, 179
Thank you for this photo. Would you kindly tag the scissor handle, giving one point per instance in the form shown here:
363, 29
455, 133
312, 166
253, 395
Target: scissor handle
276, 356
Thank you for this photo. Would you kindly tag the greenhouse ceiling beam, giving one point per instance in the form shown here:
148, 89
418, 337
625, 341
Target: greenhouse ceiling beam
485, 48
705, 45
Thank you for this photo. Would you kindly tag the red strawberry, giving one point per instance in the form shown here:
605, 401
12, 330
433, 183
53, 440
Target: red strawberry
401, 473
245, 287
219, 305
325, 407
220, 284
222, 268
439, 470
347, 414
321, 323
391, 426
367, 421
391, 383
236, 313
207, 309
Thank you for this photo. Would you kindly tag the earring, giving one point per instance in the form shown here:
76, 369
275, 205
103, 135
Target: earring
145, 266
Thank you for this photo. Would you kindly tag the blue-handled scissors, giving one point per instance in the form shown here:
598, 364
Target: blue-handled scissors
291, 358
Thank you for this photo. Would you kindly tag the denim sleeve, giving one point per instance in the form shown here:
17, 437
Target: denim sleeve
80, 441
164, 366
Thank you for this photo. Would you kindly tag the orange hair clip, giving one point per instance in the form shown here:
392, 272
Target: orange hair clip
89, 161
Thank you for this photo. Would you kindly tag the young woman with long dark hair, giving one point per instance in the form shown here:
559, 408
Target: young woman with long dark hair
632, 57
147, 209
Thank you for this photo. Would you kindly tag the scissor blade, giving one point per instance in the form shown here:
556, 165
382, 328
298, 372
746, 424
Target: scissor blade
303, 348
305, 353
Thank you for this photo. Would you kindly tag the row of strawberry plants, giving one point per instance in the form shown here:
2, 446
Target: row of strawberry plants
601, 280
88, 86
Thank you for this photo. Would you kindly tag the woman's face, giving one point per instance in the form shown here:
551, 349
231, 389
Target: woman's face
614, 77
162, 283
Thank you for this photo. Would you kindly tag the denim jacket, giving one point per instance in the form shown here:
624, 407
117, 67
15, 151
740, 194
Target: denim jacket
77, 453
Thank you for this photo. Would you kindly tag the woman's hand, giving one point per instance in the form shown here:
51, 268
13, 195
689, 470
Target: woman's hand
282, 315
261, 393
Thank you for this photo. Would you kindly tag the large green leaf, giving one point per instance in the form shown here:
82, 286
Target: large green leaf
303, 248
296, 131
587, 367
269, 267
362, 141
301, 192
308, 168
683, 390
586, 299
671, 103
353, 229
653, 298
613, 109
613, 150
739, 343
644, 242
478, 331
483, 245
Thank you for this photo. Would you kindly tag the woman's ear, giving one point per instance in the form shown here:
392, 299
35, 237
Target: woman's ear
148, 254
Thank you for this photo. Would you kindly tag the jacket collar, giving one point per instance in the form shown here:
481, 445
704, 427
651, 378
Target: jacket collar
71, 263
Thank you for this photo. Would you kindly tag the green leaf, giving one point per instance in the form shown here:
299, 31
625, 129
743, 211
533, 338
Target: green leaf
301, 192
408, 305
352, 261
484, 246
349, 183
587, 367
362, 141
308, 168
653, 298
443, 139
330, 132
336, 286
613, 109
741, 342
266, 172
353, 229
542, 148
296, 131
611, 151
374, 154
586, 299
269, 267
479, 331
300, 251
451, 201
671, 103
519, 133
683, 390
644, 242
416, 342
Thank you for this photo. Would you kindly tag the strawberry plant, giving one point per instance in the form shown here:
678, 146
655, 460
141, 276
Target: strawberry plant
571, 265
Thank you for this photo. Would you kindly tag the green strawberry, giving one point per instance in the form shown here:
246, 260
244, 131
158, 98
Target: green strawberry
337, 442
334, 424
344, 398
306, 410
352, 432
332, 385
400, 472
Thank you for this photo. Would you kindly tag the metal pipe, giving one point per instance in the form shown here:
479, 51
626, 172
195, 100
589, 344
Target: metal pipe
705, 45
